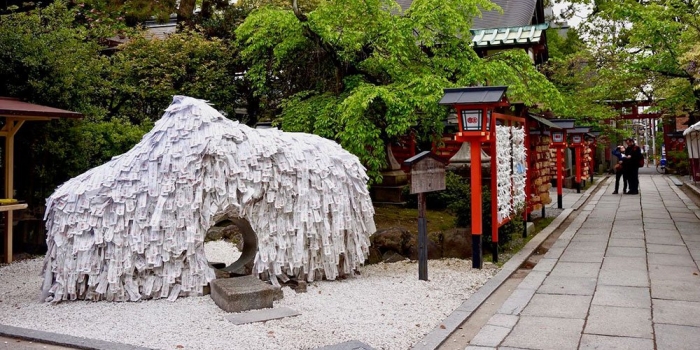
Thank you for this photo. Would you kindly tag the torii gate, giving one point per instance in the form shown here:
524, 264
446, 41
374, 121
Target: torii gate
629, 110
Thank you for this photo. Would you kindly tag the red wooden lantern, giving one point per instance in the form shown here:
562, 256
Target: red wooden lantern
474, 107
558, 138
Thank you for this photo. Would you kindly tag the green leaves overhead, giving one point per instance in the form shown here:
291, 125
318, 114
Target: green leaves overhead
365, 73
650, 45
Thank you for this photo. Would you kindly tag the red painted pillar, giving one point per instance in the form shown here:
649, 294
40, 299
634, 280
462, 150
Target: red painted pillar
560, 177
477, 227
579, 165
494, 198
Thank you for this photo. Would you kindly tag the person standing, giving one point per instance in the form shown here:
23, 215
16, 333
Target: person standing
619, 152
631, 163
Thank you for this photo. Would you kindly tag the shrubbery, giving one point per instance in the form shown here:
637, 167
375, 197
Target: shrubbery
456, 198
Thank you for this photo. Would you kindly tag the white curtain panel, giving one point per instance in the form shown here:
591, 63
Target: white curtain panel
134, 227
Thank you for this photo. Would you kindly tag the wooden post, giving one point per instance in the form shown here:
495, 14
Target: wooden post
427, 175
9, 183
477, 227
560, 177
422, 240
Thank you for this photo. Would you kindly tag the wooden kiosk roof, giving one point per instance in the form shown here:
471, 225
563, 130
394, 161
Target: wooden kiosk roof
14, 108
15, 113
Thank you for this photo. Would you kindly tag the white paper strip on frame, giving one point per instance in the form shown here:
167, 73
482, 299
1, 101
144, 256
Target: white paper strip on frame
134, 227
503, 171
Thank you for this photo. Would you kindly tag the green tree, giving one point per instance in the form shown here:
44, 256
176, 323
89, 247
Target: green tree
649, 45
364, 72
55, 56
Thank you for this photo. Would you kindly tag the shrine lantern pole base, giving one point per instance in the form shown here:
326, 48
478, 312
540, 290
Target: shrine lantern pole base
477, 249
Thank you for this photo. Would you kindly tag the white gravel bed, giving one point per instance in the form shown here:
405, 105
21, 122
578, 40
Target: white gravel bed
386, 306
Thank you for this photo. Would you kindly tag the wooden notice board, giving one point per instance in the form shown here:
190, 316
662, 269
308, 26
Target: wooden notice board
427, 175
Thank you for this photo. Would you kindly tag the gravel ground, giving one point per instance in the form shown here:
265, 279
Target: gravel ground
386, 306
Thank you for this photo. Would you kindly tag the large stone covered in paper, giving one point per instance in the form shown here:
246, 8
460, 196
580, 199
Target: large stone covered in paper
134, 227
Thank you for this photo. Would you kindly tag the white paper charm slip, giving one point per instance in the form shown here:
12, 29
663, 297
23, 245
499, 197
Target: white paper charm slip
134, 227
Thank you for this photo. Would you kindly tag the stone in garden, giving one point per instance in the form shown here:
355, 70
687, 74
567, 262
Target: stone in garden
400, 241
262, 315
243, 294
457, 243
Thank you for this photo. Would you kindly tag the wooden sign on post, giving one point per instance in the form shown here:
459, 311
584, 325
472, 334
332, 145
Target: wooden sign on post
427, 175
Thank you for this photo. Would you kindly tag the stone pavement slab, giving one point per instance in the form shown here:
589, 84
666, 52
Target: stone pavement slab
568, 285
685, 313
624, 263
679, 259
502, 320
631, 252
626, 242
622, 296
576, 269
545, 265
669, 239
533, 280
490, 335
553, 305
582, 256
689, 274
545, 333
516, 302
619, 321
666, 249
674, 337
675, 290
602, 342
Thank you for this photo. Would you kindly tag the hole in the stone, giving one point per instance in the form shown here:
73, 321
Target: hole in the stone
231, 246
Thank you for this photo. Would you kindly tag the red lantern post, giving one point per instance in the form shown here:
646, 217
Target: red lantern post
474, 107
559, 144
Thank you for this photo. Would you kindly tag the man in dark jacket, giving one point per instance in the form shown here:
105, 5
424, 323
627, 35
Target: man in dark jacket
618, 152
630, 165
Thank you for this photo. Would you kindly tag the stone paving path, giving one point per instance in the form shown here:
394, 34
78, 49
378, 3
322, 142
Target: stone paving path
623, 275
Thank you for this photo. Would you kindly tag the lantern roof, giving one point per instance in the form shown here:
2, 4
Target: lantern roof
579, 130
563, 123
474, 95
420, 156
544, 121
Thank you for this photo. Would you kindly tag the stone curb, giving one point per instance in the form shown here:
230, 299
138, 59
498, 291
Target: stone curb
63, 339
440, 333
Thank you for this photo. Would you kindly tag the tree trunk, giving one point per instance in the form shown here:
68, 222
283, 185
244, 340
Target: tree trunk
184, 13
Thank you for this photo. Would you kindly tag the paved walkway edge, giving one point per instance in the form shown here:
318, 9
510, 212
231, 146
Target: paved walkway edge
440, 333
63, 339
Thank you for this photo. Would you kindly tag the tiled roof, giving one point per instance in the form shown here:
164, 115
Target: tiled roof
516, 13
523, 35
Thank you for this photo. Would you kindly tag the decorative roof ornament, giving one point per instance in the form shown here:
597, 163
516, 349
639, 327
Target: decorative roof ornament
134, 228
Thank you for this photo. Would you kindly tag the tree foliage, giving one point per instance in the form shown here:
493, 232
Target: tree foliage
365, 73
54, 56
651, 47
